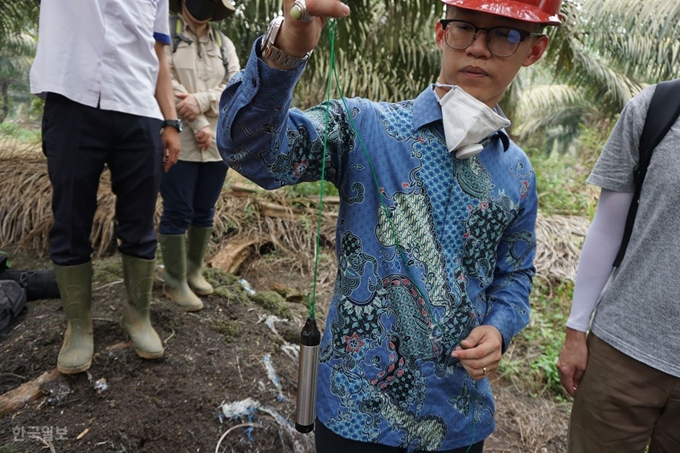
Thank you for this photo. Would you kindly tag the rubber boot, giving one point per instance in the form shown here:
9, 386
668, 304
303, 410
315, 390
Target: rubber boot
75, 288
175, 285
138, 275
198, 239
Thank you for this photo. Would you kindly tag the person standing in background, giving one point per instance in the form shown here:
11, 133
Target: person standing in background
622, 367
202, 61
101, 68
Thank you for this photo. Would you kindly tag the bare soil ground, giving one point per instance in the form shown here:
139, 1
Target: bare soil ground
227, 381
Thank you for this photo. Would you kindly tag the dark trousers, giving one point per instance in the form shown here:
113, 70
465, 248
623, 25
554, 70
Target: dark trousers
79, 141
190, 191
329, 442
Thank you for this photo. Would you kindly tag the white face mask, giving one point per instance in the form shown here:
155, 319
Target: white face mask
467, 121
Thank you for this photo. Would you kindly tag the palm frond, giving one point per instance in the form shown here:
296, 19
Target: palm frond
607, 51
16, 17
16, 55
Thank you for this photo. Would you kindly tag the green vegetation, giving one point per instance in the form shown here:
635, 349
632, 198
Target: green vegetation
561, 176
107, 270
229, 329
226, 285
530, 363
272, 302
21, 134
311, 189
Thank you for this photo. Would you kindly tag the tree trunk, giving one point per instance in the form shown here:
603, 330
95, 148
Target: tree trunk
4, 100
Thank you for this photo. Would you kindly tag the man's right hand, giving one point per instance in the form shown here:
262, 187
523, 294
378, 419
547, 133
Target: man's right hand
573, 360
298, 37
171, 147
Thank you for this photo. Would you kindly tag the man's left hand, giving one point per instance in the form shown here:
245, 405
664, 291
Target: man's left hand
171, 146
480, 352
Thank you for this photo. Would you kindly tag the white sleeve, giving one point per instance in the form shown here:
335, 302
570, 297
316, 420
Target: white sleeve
597, 255
161, 27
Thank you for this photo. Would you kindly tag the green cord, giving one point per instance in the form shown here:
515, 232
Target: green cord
331, 69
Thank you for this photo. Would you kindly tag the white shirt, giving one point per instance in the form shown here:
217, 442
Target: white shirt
101, 52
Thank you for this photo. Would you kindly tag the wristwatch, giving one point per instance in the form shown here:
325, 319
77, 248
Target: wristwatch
177, 124
273, 53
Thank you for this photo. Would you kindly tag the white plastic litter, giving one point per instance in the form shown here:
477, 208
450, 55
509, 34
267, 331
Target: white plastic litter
273, 377
290, 349
244, 283
248, 409
101, 385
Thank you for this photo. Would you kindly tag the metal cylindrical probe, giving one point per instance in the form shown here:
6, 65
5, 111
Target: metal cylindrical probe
310, 340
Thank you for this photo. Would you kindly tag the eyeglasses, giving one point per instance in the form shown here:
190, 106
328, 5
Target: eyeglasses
502, 41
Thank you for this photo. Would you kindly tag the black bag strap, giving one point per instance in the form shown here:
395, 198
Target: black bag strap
663, 111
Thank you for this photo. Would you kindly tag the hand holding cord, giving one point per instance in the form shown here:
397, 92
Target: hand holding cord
297, 38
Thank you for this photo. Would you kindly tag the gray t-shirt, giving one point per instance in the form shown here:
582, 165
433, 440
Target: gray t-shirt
639, 312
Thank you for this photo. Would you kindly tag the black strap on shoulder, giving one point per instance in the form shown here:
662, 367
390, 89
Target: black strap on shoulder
663, 111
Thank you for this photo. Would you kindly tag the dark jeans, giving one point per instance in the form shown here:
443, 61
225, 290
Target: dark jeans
190, 191
79, 141
329, 442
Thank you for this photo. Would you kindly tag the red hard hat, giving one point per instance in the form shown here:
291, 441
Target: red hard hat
536, 11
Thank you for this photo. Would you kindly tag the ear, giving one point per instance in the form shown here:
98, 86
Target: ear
439, 35
536, 51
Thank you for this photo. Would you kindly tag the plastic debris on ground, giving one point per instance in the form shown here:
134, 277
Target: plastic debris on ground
273, 377
244, 283
249, 409
290, 349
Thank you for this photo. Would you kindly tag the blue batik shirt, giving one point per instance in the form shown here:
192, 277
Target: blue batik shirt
428, 247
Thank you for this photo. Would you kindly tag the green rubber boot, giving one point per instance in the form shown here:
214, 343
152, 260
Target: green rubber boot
138, 275
198, 239
75, 288
176, 288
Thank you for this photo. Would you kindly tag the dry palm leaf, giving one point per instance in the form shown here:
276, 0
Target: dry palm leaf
243, 214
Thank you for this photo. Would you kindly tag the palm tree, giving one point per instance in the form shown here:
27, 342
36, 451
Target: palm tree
16, 16
16, 47
16, 55
602, 55
384, 50
606, 52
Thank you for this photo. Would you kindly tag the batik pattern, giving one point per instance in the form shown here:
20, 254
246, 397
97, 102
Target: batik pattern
428, 247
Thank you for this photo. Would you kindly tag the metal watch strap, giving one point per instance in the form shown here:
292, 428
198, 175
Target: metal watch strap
277, 56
